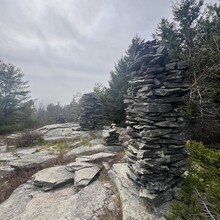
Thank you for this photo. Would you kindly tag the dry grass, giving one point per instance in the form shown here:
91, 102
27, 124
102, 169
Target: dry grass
28, 138
9, 183
107, 214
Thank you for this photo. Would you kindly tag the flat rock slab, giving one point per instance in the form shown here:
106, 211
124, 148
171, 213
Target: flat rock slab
26, 150
85, 149
72, 126
60, 131
95, 157
75, 166
7, 157
134, 208
31, 161
84, 176
27, 202
5, 170
52, 177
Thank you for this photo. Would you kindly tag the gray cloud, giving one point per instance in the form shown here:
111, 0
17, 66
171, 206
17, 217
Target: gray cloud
64, 47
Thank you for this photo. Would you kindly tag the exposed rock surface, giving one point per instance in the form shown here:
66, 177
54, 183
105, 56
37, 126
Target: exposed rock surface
28, 202
133, 207
85, 149
156, 153
60, 131
5, 170
84, 176
95, 157
91, 113
31, 161
25, 158
52, 177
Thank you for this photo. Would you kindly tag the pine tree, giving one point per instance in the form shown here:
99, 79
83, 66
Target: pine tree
198, 36
15, 103
112, 97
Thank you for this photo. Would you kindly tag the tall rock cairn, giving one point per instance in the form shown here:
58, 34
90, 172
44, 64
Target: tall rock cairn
156, 152
91, 115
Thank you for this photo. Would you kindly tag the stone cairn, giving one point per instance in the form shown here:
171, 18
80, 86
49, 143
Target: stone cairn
156, 152
111, 136
91, 113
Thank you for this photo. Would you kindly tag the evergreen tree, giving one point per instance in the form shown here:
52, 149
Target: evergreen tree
112, 97
169, 37
198, 37
15, 103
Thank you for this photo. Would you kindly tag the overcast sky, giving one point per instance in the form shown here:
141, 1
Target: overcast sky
66, 46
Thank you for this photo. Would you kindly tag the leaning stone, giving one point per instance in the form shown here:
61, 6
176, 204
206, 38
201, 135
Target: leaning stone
138, 63
162, 49
52, 177
158, 59
84, 176
75, 166
157, 82
170, 66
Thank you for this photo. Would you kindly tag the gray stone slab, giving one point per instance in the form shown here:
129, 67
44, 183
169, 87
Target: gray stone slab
5, 170
85, 149
7, 157
52, 177
95, 157
72, 167
27, 203
133, 207
84, 176
31, 161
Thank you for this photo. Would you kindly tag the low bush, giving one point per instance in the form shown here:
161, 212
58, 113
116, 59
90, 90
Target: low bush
28, 139
200, 189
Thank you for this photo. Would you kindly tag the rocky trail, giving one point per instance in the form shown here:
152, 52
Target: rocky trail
76, 176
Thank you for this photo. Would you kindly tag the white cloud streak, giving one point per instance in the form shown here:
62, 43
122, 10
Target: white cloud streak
65, 46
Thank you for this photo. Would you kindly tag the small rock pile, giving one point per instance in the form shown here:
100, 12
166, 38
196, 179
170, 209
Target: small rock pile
111, 136
91, 113
156, 152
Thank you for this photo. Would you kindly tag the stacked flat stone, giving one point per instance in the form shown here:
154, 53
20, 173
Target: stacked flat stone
111, 136
156, 152
91, 113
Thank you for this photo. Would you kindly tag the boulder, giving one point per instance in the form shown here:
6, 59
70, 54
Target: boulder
52, 177
84, 176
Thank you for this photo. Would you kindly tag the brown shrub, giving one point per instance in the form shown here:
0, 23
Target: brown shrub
28, 138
